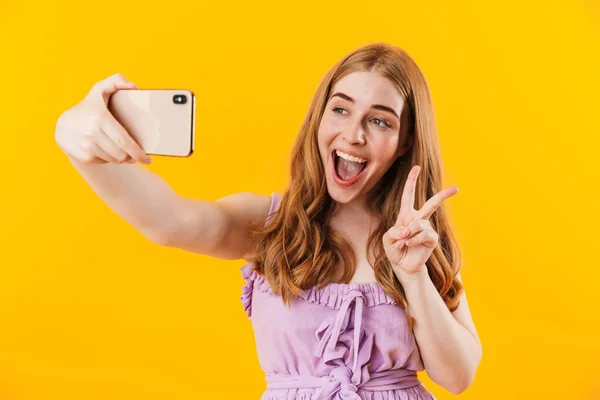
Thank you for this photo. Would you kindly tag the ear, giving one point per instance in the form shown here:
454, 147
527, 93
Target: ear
405, 132
404, 149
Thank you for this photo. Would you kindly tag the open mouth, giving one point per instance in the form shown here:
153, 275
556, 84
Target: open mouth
346, 172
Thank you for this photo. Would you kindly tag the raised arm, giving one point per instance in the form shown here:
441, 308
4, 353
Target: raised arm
104, 154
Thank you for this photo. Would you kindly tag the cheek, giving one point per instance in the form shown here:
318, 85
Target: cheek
328, 125
327, 132
386, 147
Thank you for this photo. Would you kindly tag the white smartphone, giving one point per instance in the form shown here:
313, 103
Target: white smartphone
161, 121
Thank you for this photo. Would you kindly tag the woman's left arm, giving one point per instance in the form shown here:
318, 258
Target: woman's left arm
448, 342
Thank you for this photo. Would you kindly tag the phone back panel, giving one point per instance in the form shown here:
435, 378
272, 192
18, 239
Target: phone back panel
155, 121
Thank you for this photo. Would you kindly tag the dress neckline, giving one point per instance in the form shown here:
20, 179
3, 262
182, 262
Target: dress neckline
351, 284
331, 295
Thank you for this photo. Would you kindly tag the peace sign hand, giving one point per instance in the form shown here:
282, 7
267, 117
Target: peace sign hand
409, 243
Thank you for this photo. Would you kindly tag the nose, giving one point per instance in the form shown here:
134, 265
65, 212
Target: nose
354, 132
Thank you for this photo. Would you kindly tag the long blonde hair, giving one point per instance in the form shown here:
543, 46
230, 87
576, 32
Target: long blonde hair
297, 249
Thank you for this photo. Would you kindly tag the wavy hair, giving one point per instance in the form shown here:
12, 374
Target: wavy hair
297, 249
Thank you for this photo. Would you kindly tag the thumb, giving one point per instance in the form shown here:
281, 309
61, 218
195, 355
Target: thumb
106, 87
394, 234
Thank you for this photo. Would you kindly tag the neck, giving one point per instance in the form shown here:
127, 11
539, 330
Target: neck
354, 213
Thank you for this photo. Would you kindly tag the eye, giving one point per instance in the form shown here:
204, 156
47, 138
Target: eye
385, 123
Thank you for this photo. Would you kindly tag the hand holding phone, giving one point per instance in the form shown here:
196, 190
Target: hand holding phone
88, 132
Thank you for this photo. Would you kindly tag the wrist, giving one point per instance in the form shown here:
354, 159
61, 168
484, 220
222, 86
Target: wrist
407, 277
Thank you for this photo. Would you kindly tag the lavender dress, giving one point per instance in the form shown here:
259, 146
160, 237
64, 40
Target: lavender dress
345, 341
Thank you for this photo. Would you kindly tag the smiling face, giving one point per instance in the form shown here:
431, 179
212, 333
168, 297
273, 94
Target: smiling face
362, 118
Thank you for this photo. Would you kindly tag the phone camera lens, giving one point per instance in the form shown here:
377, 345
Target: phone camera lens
179, 99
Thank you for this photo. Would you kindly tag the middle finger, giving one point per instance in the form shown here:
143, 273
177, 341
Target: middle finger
434, 202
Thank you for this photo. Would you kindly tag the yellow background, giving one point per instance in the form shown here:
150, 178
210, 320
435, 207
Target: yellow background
89, 309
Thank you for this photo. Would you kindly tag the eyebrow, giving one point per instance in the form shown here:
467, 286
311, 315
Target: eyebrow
375, 106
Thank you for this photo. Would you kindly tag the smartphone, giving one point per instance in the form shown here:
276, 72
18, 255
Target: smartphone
161, 121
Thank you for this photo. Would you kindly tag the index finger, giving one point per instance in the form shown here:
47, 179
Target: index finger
435, 201
108, 86
408, 194
121, 137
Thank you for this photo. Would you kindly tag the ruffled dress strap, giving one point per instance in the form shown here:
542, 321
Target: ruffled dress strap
248, 272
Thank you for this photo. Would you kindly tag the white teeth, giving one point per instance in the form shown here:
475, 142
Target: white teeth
349, 157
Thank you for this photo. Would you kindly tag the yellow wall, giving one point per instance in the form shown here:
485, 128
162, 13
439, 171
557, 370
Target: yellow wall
89, 309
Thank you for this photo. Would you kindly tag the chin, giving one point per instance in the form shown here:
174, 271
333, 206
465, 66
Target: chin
342, 195
339, 197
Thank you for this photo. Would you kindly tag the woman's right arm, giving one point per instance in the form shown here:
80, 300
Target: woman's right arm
104, 154
215, 228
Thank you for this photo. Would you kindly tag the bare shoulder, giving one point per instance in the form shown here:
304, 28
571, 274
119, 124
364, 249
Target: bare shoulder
244, 211
245, 207
220, 228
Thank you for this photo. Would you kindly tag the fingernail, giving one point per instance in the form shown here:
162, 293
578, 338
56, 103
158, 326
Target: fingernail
404, 232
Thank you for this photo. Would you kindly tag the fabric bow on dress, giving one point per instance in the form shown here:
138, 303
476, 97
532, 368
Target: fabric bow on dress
343, 379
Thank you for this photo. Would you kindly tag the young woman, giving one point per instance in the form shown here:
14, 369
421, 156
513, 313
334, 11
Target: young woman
352, 275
